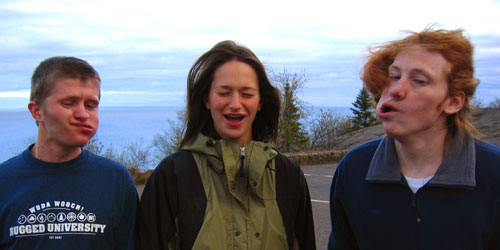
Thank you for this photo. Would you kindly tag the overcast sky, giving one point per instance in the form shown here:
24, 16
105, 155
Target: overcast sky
144, 49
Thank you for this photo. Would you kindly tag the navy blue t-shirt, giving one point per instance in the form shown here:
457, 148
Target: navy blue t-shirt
87, 203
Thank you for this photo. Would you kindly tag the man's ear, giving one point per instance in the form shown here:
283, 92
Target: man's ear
35, 110
455, 103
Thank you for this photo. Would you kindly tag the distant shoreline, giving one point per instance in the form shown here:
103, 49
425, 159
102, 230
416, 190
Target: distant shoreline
148, 107
101, 108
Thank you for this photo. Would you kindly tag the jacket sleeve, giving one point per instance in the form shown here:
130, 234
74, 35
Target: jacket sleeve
304, 228
294, 203
156, 219
124, 232
341, 236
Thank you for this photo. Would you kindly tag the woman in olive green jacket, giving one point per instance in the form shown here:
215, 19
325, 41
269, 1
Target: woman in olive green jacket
227, 188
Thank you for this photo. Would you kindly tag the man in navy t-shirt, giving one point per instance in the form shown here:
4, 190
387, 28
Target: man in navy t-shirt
56, 195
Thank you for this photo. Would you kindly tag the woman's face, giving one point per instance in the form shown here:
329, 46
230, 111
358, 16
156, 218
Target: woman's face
234, 100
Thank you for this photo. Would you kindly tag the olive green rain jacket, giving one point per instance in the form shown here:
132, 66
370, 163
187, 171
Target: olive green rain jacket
213, 194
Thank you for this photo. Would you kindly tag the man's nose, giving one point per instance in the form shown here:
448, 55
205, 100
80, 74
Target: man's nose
398, 89
81, 112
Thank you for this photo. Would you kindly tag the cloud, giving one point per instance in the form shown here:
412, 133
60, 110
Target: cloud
134, 93
142, 98
149, 46
15, 94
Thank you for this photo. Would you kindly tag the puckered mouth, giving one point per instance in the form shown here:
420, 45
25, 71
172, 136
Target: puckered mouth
387, 108
83, 125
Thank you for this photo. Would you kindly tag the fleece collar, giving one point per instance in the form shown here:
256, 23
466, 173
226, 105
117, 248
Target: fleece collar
458, 168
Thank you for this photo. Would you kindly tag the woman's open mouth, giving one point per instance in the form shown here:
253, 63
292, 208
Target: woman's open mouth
234, 117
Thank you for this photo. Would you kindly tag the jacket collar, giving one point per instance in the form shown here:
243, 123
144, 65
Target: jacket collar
457, 169
224, 156
261, 151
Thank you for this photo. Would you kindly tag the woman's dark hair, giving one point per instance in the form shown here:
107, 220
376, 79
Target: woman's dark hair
198, 117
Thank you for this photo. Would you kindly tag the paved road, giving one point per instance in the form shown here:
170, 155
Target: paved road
319, 178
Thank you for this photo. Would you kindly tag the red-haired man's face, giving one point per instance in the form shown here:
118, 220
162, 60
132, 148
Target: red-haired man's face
416, 100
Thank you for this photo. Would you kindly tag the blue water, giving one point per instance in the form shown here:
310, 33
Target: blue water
118, 127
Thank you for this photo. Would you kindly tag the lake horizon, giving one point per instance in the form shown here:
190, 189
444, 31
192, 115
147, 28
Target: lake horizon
118, 126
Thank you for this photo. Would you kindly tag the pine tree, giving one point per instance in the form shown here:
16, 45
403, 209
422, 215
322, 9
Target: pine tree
293, 138
291, 135
363, 111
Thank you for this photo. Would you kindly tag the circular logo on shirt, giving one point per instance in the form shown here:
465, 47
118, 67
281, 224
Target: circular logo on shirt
61, 217
41, 218
81, 217
22, 219
31, 218
51, 217
91, 217
71, 217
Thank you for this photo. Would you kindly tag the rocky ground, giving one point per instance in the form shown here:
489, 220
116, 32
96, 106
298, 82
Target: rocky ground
487, 121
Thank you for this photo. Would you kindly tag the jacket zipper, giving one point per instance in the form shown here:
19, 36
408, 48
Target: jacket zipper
242, 161
417, 218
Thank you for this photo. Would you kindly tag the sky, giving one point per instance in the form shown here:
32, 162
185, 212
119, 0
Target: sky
144, 49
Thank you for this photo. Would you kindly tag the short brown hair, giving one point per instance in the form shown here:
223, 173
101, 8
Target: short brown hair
54, 68
451, 44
